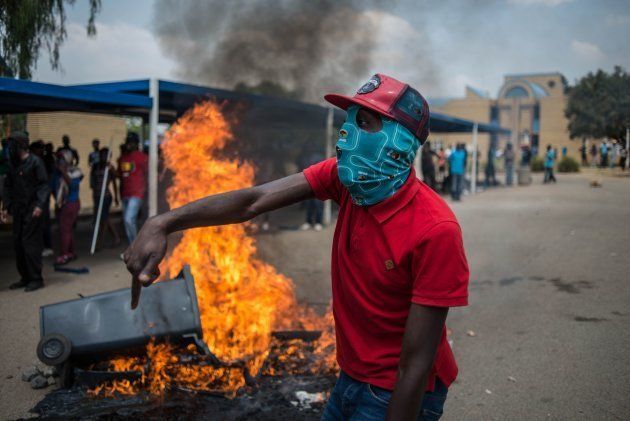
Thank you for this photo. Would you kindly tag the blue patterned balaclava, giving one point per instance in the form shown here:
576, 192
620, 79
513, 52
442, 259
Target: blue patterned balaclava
373, 166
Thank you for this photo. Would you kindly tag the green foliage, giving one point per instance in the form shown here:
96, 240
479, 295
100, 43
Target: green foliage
28, 25
599, 105
538, 164
568, 164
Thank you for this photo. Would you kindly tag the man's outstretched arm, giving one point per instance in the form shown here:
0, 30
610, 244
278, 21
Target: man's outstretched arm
144, 255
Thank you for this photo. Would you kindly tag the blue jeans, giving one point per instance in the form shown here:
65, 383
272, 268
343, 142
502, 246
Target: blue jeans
358, 401
131, 209
314, 209
457, 186
509, 174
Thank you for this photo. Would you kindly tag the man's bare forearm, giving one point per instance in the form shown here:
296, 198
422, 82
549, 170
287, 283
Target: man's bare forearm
236, 206
144, 255
420, 342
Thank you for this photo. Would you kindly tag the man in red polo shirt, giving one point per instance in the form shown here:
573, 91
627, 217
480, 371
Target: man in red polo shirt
398, 261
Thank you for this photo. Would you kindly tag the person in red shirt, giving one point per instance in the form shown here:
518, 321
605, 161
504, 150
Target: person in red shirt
398, 260
132, 170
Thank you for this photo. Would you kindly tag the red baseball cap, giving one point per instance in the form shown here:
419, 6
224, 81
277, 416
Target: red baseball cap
393, 99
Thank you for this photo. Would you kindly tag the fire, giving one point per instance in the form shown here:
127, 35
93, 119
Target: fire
241, 299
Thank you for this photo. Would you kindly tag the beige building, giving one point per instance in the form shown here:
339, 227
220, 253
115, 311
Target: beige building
82, 129
530, 105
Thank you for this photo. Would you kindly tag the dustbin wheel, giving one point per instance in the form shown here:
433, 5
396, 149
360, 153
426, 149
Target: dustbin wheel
54, 349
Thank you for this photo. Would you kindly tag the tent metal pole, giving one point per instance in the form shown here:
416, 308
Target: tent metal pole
154, 93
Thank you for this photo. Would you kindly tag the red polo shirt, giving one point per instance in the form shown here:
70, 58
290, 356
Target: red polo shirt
405, 249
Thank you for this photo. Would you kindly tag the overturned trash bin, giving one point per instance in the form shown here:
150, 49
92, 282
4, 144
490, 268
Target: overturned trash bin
104, 324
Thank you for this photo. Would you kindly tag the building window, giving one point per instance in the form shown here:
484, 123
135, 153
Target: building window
516, 92
536, 119
551, 83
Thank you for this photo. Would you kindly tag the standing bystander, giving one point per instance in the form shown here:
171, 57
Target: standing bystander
457, 162
314, 207
428, 167
603, 152
93, 158
593, 155
550, 157
97, 178
132, 169
24, 197
66, 184
65, 139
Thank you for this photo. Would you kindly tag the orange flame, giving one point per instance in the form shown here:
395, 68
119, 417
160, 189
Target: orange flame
241, 299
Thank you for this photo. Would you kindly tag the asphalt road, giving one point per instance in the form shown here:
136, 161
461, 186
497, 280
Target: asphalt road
549, 302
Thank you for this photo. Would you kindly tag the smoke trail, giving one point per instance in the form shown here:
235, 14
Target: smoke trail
306, 47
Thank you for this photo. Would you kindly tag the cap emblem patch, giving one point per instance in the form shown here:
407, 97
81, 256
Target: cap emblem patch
370, 85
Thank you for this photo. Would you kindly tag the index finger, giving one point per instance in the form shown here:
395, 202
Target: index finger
136, 289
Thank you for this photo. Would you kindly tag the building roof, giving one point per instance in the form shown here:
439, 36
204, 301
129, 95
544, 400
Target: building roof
478, 92
533, 74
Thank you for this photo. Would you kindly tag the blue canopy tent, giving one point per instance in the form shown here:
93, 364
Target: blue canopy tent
164, 101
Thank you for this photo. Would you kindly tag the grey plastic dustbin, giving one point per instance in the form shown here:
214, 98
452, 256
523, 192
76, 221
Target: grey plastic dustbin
105, 323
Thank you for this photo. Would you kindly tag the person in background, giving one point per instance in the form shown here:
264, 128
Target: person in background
24, 197
95, 155
614, 153
65, 139
4, 163
93, 159
428, 167
593, 155
623, 155
314, 207
526, 154
98, 177
49, 163
441, 164
509, 157
132, 170
583, 153
457, 162
38, 148
550, 157
490, 174
67, 180
603, 154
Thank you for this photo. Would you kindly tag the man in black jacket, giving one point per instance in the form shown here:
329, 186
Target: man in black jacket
24, 197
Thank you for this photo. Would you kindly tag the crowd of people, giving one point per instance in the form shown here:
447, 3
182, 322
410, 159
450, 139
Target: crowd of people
444, 170
33, 177
609, 153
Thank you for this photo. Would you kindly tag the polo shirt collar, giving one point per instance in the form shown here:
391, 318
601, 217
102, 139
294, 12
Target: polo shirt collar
384, 210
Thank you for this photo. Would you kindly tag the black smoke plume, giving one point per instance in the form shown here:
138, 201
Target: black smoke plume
305, 47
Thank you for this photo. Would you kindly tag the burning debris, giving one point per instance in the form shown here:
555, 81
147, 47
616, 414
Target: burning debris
256, 337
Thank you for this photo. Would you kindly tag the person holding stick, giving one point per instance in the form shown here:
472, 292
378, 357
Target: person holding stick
398, 258
104, 172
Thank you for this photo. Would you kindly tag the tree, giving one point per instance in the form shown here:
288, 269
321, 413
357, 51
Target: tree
599, 105
28, 25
